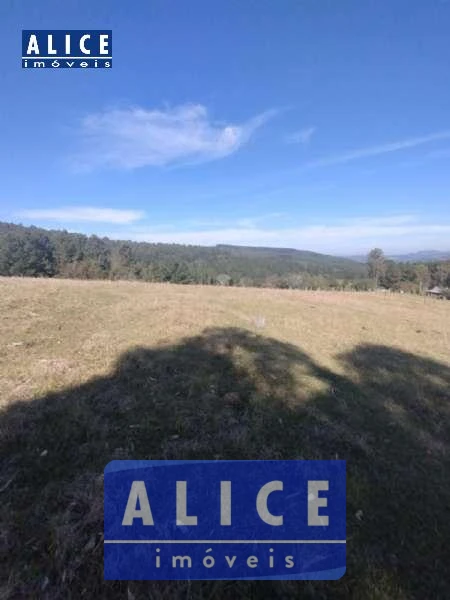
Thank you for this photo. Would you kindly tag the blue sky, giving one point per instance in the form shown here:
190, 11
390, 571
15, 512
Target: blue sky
313, 124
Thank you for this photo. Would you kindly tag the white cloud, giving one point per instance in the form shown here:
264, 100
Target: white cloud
397, 233
136, 137
300, 137
378, 150
75, 214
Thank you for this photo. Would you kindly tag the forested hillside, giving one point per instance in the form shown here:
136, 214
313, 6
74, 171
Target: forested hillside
36, 252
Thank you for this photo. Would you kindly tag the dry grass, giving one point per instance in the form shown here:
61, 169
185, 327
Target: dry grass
57, 333
91, 371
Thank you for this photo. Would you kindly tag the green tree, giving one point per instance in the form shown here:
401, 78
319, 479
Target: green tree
423, 277
377, 265
27, 253
392, 275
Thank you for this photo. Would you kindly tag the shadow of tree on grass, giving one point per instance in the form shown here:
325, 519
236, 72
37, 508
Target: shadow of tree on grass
230, 394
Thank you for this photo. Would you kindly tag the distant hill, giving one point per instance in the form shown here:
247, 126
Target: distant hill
304, 259
421, 256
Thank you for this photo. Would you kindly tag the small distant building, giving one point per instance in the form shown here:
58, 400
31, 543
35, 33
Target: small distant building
436, 292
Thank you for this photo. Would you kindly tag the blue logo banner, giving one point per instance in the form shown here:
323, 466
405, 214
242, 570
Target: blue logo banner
225, 520
66, 49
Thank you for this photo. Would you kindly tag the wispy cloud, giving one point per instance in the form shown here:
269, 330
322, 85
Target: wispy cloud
352, 155
212, 223
76, 214
396, 233
434, 155
303, 136
136, 137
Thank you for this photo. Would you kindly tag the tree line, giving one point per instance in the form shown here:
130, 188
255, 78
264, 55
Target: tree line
407, 276
36, 252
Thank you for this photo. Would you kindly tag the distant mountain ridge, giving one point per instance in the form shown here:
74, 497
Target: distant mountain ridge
420, 256
423, 256
306, 256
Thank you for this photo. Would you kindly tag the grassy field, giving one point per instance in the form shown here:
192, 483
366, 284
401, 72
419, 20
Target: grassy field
92, 371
